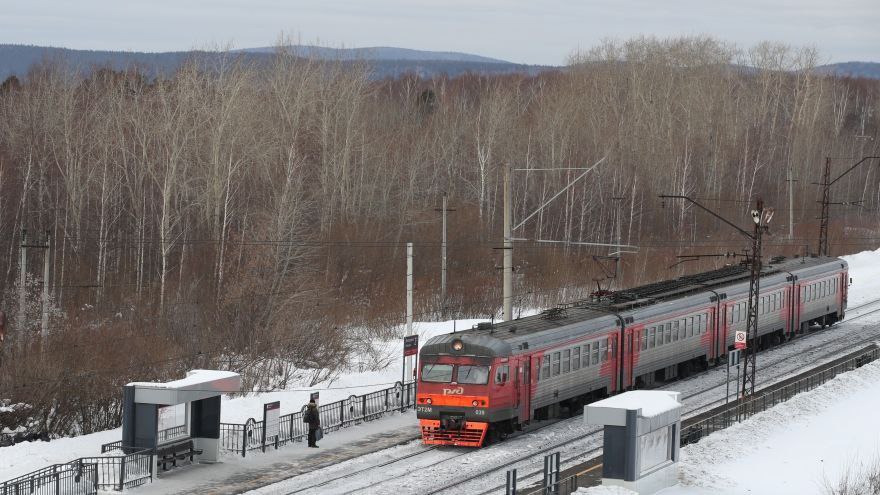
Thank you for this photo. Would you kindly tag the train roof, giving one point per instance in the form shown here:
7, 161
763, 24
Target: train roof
522, 332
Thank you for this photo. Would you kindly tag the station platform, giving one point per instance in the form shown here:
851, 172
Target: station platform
235, 474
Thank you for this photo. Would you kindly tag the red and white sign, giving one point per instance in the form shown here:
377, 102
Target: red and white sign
739, 339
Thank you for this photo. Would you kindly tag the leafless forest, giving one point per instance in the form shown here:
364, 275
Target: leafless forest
255, 218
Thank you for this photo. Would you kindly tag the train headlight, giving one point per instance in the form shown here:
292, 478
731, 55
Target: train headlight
457, 344
474, 403
428, 401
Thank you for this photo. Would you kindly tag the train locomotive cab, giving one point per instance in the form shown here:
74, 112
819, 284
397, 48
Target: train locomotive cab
464, 393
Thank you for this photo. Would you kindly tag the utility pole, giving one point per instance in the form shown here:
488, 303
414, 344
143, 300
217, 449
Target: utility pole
507, 289
761, 219
749, 372
44, 325
823, 216
22, 290
408, 363
618, 262
826, 199
443, 254
791, 182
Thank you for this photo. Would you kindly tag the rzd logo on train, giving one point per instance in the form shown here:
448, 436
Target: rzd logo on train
453, 391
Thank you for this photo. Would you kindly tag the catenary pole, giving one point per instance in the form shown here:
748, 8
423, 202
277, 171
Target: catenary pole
408, 361
22, 290
507, 281
44, 324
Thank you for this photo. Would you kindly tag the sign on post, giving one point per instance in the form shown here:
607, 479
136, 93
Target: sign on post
271, 421
739, 339
410, 345
314, 397
734, 357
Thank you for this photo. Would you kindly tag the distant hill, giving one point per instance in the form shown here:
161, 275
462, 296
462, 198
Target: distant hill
378, 53
384, 61
852, 69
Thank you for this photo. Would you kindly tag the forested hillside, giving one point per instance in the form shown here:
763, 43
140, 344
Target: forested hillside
254, 218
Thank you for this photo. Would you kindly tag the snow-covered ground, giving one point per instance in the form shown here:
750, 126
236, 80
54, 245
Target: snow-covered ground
804, 445
785, 360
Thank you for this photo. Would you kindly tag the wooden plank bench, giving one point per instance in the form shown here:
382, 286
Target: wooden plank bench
174, 452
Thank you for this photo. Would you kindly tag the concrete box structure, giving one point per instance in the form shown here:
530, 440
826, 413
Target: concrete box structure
642, 438
200, 391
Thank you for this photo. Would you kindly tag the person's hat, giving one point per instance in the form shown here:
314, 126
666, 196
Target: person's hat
312, 401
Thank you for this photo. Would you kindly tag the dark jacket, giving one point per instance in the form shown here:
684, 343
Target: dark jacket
312, 417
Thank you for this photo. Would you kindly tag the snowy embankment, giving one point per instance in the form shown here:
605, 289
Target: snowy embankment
803, 445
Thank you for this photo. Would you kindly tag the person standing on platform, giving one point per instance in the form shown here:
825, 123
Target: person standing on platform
313, 418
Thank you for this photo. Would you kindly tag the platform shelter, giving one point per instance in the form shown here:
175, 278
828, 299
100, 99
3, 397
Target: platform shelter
642, 438
200, 391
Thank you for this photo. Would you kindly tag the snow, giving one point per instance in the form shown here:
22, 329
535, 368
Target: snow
797, 447
194, 378
651, 402
605, 490
24, 457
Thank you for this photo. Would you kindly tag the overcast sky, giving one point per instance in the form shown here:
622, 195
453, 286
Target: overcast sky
525, 31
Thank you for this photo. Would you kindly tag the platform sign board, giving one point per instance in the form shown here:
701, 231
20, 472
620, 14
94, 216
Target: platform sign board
739, 340
733, 358
410, 345
314, 396
271, 415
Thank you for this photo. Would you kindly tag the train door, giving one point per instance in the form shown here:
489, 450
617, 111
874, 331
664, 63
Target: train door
844, 290
796, 308
723, 328
712, 331
523, 379
631, 349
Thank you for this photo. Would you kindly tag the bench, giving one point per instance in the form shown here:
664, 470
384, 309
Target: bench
174, 452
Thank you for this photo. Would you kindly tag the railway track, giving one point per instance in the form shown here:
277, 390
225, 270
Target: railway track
591, 440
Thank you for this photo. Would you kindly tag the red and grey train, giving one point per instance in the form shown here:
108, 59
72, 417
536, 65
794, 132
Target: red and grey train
492, 379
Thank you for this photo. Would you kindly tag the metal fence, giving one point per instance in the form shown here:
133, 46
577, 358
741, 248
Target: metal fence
85, 475
240, 438
72, 478
765, 399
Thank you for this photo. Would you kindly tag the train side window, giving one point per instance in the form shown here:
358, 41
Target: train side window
501, 374
675, 331
566, 360
691, 327
644, 339
595, 353
651, 337
603, 350
668, 337
586, 355
556, 363
545, 373
576, 358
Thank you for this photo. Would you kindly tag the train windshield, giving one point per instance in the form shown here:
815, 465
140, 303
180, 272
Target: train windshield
437, 373
478, 375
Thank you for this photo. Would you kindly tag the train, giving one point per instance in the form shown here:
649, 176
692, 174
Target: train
482, 384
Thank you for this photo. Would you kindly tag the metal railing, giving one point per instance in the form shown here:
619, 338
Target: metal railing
240, 438
765, 399
162, 436
72, 478
86, 475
